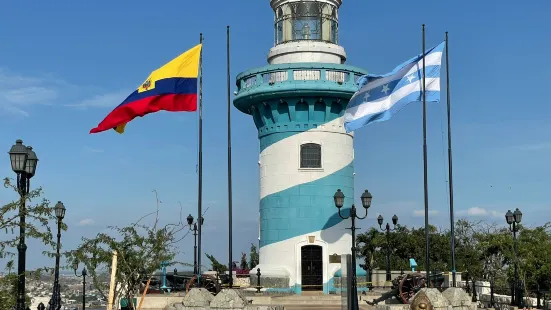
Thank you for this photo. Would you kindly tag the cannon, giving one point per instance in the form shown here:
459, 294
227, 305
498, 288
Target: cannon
182, 281
405, 286
208, 282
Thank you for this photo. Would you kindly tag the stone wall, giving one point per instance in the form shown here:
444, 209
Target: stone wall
501, 301
201, 299
243, 282
453, 298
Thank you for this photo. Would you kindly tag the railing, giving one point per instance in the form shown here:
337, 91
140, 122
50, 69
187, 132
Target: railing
277, 74
501, 297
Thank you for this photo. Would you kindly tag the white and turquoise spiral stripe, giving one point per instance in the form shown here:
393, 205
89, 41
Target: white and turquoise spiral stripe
295, 203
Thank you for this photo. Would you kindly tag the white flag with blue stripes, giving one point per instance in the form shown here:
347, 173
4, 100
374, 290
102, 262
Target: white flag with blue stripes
381, 96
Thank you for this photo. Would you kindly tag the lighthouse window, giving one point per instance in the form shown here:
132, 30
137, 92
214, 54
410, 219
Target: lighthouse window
334, 26
307, 21
279, 26
310, 155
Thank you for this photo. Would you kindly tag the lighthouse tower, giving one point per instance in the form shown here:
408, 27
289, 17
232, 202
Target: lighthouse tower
297, 103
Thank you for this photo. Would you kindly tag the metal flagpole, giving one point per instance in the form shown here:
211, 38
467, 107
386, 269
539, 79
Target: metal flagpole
230, 229
200, 162
450, 170
427, 236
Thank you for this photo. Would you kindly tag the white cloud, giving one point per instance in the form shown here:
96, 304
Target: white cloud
478, 211
420, 213
17, 91
86, 222
101, 101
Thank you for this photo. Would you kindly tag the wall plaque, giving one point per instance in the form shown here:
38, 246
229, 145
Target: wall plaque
334, 259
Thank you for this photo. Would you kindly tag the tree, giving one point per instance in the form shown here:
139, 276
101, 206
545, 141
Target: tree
38, 219
9, 266
253, 257
243, 264
368, 248
141, 248
8, 292
535, 257
216, 266
38, 216
482, 251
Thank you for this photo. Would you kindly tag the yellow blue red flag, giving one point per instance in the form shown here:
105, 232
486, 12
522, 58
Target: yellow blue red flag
172, 87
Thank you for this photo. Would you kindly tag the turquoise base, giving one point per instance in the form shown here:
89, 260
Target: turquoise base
329, 287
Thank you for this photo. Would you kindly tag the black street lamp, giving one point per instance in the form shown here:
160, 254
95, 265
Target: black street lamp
387, 231
23, 162
55, 301
513, 219
193, 226
366, 202
83, 276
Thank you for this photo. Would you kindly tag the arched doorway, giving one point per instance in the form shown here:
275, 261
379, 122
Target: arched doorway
312, 268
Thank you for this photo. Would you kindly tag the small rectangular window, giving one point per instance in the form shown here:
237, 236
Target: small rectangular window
310, 155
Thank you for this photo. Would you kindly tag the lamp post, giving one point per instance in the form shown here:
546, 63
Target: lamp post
366, 202
193, 226
83, 276
513, 219
387, 231
23, 162
55, 301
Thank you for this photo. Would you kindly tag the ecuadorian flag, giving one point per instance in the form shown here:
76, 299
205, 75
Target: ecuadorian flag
172, 87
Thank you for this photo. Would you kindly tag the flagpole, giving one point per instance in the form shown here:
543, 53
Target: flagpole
230, 219
200, 161
427, 236
450, 170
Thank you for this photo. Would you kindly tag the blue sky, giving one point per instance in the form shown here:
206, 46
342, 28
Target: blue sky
64, 65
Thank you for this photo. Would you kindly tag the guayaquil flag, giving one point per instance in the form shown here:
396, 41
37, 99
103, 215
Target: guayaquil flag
172, 87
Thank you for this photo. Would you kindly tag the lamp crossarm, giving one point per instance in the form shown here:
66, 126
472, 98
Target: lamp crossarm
343, 217
362, 217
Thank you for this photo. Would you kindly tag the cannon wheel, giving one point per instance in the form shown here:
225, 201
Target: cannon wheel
191, 283
411, 283
208, 282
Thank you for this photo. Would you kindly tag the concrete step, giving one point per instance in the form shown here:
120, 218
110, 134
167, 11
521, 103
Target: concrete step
324, 307
329, 300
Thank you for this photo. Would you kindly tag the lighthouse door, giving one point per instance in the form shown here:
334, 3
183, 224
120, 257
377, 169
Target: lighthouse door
312, 268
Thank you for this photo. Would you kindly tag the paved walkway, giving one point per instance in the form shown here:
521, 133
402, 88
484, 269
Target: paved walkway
331, 307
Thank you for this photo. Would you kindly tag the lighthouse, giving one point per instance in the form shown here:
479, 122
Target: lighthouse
297, 103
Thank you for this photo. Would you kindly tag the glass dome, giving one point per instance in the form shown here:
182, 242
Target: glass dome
306, 20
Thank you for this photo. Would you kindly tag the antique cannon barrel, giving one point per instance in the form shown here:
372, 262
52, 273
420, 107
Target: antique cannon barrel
404, 287
437, 279
383, 297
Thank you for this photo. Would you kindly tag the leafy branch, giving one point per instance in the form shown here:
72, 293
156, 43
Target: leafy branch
140, 247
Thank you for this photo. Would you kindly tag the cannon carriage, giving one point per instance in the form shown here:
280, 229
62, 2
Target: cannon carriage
405, 286
183, 282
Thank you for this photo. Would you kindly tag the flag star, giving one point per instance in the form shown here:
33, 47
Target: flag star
367, 95
410, 78
385, 89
